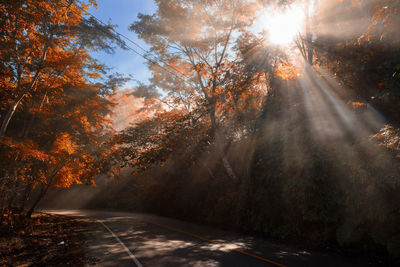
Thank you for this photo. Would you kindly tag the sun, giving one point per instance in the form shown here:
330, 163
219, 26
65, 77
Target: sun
282, 26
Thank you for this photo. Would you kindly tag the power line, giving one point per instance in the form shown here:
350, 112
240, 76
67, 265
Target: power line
154, 61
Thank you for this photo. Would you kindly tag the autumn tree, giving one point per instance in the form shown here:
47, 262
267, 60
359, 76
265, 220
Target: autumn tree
54, 97
356, 50
363, 54
199, 63
44, 41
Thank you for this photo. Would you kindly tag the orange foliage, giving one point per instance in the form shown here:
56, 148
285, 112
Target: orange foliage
357, 105
389, 138
55, 130
286, 71
64, 144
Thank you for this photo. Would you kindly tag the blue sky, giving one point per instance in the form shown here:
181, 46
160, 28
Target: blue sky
123, 13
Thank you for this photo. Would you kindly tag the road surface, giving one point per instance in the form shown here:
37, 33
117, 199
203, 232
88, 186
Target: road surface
132, 239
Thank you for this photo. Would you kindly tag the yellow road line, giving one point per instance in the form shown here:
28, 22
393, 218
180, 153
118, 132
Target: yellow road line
215, 242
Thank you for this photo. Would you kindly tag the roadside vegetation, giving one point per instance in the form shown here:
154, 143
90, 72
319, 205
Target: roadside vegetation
46, 240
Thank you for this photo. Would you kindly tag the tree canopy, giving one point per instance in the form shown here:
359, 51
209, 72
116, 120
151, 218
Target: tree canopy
294, 140
54, 97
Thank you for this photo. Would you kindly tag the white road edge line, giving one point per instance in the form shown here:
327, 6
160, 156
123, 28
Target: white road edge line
123, 245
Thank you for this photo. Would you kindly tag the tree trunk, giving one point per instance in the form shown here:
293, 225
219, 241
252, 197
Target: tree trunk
43, 191
309, 41
28, 128
14, 193
15, 104
213, 119
228, 168
46, 187
220, 146
25, 196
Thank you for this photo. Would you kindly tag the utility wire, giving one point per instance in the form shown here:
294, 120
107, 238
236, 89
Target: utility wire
153, 61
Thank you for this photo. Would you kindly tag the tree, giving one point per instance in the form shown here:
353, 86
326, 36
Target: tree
55, 97
199, 69
304, 40
44, 43
357, 44
364, 55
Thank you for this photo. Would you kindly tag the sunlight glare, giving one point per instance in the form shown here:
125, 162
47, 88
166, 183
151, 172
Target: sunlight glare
283, 26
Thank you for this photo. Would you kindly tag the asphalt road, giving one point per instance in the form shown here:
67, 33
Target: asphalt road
132, 239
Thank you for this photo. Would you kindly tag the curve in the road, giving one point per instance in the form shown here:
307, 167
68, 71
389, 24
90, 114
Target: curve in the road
212, 241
